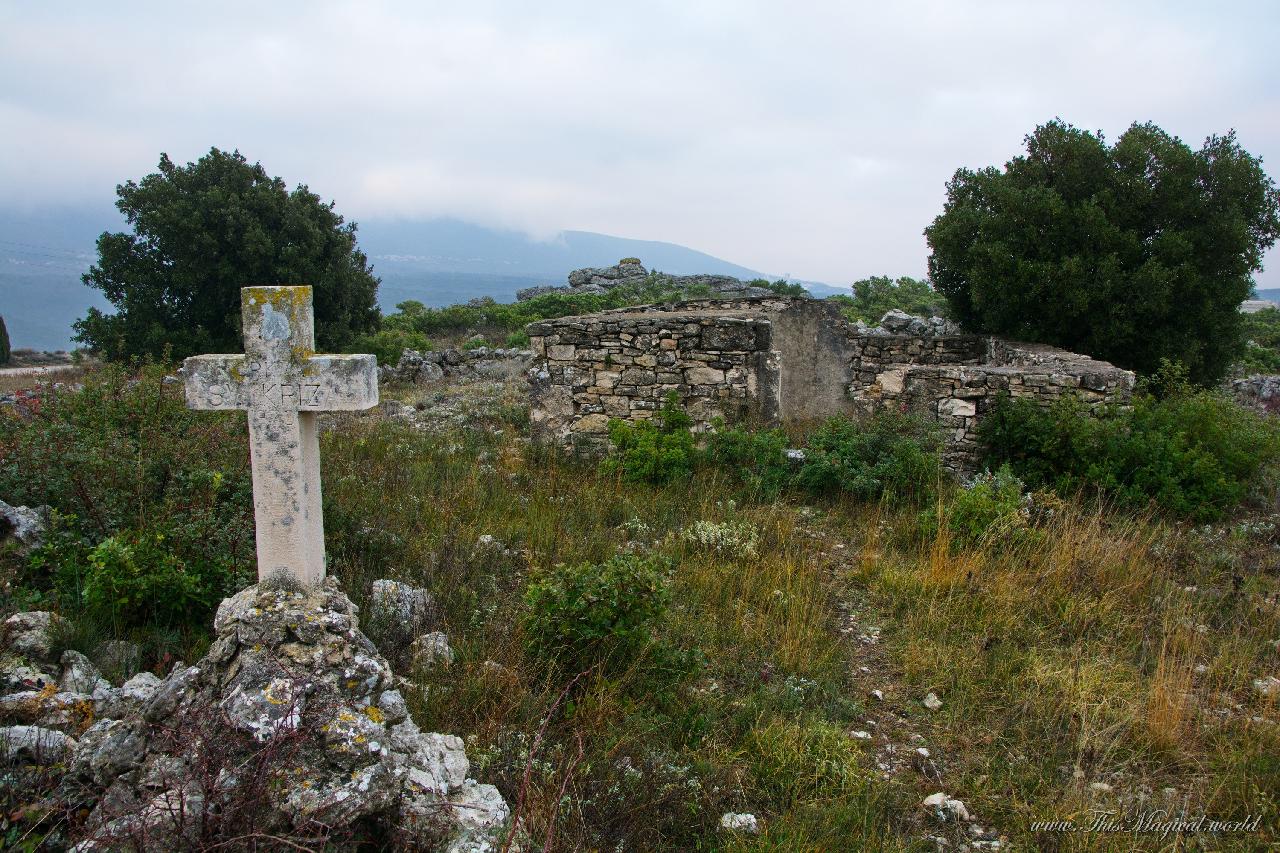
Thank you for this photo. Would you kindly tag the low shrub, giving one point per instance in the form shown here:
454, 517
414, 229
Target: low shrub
489, 315
1262, 342
727, 538
136, 580
874, 297
993, 504
586, 614
152, 501
758, 458
889, 456
1194, 454
653, 451
388, 344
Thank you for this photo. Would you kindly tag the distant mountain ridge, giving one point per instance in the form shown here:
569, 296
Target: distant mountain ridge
449, 245
439, 262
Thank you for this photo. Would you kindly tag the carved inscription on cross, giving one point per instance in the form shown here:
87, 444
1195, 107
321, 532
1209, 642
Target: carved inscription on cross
282, 383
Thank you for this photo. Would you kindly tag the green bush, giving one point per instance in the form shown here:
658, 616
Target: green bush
782, 287
653, 451
1195, 455
587, 614
518, 340
757, 458
486, 314
1262, 342
889, 455
874, 297
388, 344
125, 461
993, 504
136, 580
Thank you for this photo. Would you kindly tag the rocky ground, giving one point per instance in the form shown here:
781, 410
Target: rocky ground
291, 726
294, 725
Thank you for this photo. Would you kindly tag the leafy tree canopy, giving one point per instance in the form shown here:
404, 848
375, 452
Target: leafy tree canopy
203, 231
1132, 252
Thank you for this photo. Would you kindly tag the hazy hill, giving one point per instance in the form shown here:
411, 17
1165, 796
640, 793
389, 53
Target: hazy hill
439, 262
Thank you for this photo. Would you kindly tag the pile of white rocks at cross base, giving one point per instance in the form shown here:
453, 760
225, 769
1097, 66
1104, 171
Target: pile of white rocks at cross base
292, 704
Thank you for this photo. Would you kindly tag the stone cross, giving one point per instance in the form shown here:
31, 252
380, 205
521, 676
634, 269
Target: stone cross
282, 383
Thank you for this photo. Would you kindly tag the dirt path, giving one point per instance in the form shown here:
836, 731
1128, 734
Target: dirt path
897, 729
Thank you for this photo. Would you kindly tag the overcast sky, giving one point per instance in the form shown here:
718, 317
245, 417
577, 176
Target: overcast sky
809, 138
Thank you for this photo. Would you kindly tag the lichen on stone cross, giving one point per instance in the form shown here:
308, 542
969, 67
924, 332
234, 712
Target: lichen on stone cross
282, 383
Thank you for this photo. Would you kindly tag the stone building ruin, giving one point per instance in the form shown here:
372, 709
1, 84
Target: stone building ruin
773, 360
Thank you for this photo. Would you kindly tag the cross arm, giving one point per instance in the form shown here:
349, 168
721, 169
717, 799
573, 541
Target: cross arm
312, 383
215, 382
342, 383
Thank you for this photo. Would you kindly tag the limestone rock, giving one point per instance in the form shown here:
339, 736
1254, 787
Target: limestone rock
79, 675
35, 744
631, 273
1260, 393
141, 687
896, 321
66, 712
107, 750
119, 657
25, 525
314, 723
746, 824
431, 649
17, 673
1268, 687
946, 808
932, 702
399, 611
31, 634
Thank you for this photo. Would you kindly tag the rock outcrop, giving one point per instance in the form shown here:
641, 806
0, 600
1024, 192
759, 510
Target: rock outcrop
478, 363
1260, 393
630, 273
290, 726
24, 524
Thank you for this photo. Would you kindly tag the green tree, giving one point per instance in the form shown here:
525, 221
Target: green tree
203, 231
875, 296
1133, 252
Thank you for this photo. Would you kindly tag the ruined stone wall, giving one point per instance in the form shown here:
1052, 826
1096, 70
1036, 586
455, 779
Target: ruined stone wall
958, 395
623, 364
776, 359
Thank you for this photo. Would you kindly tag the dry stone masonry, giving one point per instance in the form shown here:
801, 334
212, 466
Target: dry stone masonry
291, 725
771, 360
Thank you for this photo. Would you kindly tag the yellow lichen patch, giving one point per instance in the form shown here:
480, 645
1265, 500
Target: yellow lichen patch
301, 356
375, 714
84, 712
286, 297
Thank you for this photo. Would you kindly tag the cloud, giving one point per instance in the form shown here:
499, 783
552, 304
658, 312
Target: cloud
811, 138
